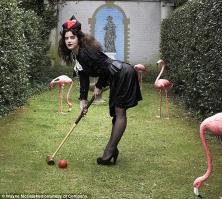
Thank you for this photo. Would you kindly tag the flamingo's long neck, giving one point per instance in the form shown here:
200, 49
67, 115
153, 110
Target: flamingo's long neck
161, 72
207, 152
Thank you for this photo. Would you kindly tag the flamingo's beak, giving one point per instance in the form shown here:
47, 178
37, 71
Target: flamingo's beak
51, 86
158, 62
196, 192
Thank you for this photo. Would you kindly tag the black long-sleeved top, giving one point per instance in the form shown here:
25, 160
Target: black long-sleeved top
95, 64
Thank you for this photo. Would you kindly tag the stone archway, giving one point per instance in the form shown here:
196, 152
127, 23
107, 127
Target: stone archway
97, 24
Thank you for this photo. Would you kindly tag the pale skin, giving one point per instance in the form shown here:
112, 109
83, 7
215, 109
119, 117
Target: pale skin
71, 42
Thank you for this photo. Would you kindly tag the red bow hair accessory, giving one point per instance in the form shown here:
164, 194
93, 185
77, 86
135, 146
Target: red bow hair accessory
70, 24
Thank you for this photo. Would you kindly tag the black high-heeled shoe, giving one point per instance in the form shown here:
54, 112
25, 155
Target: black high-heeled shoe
109, 161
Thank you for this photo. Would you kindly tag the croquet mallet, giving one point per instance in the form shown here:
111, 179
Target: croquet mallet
50, 159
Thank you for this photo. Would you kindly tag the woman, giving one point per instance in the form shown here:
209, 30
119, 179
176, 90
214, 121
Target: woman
121, 77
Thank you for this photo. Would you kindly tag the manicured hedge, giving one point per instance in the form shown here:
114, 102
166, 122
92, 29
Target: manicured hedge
13, 57
37, 40
191, 46
177, 3
24, 65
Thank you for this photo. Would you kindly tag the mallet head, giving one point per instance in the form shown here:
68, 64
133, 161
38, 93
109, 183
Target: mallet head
50, 160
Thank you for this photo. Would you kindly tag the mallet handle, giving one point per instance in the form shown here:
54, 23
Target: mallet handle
73, 126
70, 131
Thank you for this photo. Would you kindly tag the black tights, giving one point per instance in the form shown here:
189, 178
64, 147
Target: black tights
119, 125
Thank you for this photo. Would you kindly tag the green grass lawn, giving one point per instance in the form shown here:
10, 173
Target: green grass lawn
158, 158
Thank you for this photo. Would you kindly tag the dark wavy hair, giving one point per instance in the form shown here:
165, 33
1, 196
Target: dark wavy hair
85, 41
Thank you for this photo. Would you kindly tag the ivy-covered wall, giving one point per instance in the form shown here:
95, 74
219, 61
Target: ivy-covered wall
191, 46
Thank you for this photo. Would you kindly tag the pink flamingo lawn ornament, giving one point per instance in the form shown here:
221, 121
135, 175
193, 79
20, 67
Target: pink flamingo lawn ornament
214, 125
162, 85
61, 81
140, 68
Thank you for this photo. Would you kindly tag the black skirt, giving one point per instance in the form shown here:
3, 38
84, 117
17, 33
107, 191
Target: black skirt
124, 88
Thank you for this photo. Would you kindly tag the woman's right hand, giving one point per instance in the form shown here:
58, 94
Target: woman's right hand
83, 107
97, 91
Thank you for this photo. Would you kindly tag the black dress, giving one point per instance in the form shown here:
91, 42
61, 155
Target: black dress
120, 76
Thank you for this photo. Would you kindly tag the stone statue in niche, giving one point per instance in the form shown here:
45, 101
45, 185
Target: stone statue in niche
110, 35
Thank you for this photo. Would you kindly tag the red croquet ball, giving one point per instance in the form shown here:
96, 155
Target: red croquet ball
62, 164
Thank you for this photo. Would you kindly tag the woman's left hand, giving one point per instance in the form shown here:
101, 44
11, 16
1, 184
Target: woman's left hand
97, 91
